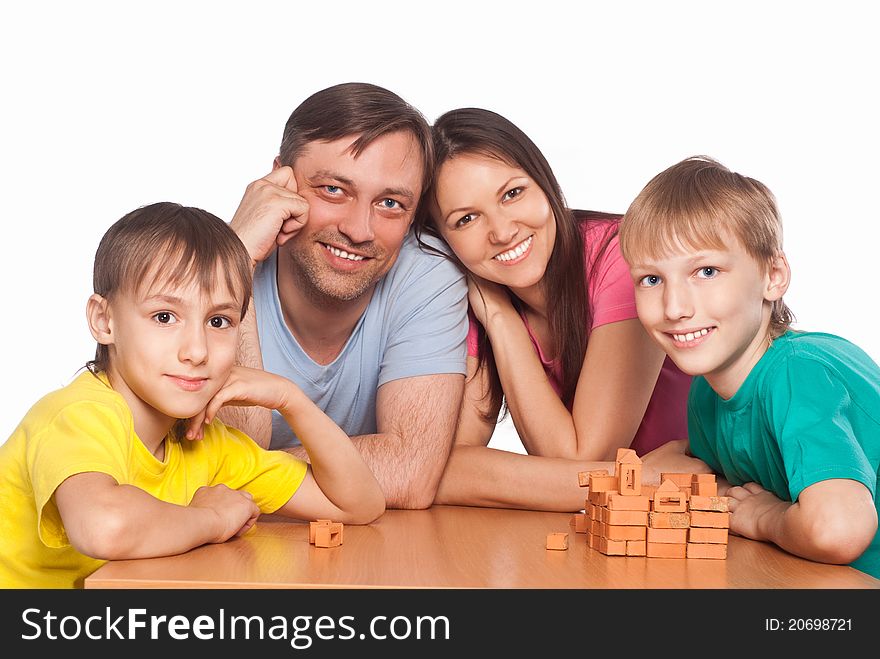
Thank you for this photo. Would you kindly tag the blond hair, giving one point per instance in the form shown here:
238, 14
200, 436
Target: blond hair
696, 204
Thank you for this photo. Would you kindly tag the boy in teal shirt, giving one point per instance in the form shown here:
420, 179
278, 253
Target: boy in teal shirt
790, 419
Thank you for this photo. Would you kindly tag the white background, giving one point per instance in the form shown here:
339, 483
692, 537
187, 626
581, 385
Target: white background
110, 106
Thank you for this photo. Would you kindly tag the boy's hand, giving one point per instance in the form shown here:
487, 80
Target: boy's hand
749, 504
270, 213
486, 298
235, 509
672, 457
244, 386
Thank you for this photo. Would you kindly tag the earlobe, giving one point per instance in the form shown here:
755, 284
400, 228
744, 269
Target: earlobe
98, 316
778, 277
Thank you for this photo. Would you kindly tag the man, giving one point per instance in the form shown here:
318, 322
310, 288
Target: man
346, 304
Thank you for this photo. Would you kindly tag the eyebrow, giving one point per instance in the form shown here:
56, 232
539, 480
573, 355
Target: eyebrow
170, 299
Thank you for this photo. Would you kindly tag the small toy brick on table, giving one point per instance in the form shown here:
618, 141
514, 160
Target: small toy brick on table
557, 541
325, 533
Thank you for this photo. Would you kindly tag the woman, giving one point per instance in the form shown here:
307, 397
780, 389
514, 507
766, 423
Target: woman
556, 335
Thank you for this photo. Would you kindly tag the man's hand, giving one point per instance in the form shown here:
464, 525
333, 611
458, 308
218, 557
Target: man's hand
244, 386
749, 503
672, 457
235, 509
270, 213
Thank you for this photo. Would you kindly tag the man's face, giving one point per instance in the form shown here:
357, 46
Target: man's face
360, 209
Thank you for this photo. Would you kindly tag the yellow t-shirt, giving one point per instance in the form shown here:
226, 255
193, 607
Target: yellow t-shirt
87, 426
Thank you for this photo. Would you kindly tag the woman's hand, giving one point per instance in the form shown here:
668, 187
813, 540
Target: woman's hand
487, 298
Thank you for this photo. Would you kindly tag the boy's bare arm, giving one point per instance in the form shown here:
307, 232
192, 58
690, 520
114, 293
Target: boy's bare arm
832, 521
338, 485
109, 521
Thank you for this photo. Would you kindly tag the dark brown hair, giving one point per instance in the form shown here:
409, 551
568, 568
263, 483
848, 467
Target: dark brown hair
483, 132
170, 243
355, 108
691, 204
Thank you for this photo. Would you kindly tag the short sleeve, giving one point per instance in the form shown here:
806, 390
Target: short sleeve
84, 437
610, 287
430, 325
810, 411
271, 477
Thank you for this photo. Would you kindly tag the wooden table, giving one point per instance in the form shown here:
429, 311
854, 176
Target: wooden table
459, 547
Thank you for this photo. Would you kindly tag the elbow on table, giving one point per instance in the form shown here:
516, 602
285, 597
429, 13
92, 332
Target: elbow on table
841, 539
107, 536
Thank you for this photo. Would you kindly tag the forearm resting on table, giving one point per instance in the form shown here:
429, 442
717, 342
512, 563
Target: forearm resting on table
833, 521
125, 522
336, 463
482, 476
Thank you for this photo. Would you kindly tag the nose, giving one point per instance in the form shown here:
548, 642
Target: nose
194, 344
357, 225
502, 230
677, 302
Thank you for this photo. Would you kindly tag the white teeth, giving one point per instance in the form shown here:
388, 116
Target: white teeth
341, 253
519, 250
690, 336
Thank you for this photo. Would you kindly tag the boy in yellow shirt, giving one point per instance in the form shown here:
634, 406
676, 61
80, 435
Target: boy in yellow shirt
102, 470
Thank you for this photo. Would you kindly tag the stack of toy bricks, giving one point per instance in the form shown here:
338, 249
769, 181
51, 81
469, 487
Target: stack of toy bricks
681, 518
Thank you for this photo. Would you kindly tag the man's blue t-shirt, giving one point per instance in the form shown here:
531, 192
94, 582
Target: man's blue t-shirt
415, 324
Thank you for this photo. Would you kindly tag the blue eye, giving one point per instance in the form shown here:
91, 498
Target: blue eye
649, 281
332, 189
390, 204
164, 318
708, 272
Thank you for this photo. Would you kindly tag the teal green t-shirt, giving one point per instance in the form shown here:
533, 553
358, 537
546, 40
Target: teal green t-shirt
809, 411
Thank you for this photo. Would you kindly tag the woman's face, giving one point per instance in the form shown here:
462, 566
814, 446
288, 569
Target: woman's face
495, 218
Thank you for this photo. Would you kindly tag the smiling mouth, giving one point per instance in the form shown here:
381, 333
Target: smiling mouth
342, 254
690, 338
516, 252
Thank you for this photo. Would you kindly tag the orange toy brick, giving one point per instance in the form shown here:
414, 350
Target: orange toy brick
629, 470
669, 520
710, 519
705, 535
313, 527
718, 504
706, 551
704, 485
579, 522
682, 481
667, 536
612, 547
664, 550
328, 535
599, 483
625, 517
584, 476
557, 541
626, 532
669, 498
628, 502
636, 548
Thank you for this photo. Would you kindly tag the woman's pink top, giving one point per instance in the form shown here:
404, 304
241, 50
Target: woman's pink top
612, 299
